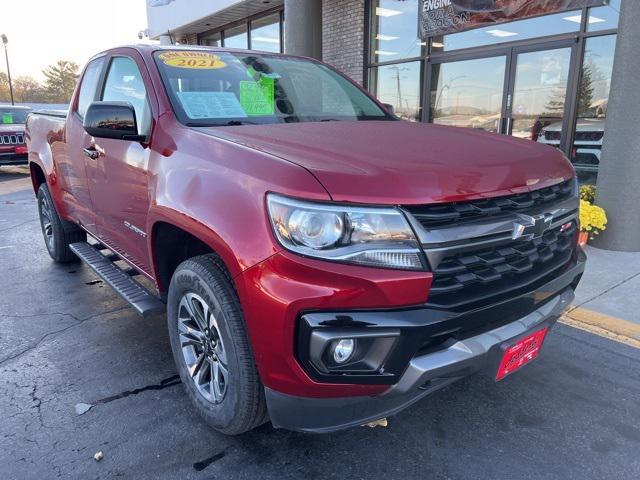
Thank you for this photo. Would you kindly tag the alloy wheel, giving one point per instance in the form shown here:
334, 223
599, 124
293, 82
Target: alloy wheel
46, 222
202, 348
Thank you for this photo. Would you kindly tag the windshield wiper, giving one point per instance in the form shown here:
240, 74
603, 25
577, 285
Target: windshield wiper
230, 123
233, 123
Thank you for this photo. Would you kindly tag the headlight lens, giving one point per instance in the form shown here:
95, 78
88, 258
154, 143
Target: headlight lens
379, 237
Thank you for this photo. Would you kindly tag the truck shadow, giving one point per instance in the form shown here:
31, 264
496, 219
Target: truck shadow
13, 173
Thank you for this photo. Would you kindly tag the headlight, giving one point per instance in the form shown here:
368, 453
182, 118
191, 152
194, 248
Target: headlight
377, 237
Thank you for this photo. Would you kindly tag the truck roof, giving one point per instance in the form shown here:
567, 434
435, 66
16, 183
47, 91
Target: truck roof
148, 49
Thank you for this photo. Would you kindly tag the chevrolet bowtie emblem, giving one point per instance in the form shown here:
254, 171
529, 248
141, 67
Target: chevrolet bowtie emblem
528, 228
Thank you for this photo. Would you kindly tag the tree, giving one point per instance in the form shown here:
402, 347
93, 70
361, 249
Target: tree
585, 92
28, 90
60, 81
4, 88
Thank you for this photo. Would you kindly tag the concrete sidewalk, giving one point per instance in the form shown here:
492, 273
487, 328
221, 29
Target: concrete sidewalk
608, 298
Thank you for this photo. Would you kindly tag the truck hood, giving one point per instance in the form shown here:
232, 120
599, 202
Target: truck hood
397, 162
11, 127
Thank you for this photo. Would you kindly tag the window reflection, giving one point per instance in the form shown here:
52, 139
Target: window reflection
399, 86
265, 33
468, 93
555, 24
593, 104
539, 95
236, 37
212, 39
394, 30
604, 18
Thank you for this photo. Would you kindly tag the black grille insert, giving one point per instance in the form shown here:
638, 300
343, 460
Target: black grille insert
464, 278
439, 215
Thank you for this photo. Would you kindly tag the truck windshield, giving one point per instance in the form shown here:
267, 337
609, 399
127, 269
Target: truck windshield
10, 115
214, 88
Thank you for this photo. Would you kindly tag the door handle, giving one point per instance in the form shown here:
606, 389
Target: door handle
92, 153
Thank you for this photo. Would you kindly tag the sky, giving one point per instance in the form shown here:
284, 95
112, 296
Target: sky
40, 32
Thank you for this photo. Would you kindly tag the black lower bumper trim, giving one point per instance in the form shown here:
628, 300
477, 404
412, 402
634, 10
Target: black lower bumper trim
326, 415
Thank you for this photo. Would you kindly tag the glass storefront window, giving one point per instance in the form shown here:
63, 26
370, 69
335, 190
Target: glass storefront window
265, 33
604, 18
394, 30
212, 39
565, 22
400, 86
236, 37
592, 105
468, 93
539, 95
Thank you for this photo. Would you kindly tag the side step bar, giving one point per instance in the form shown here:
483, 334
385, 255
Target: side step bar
144, 302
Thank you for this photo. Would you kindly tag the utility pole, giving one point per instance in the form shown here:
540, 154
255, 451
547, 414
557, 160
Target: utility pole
5, 40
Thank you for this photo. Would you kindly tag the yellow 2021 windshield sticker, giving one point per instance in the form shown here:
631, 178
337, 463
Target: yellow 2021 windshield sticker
196, 60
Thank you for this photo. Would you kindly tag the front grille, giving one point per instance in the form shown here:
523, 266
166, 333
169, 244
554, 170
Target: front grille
12, 139
589, 136
476, 275
439, 215
553, 136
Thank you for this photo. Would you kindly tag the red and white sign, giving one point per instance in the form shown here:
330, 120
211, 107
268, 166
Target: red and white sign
521, 353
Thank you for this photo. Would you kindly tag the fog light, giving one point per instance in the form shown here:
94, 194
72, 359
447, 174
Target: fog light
343, 350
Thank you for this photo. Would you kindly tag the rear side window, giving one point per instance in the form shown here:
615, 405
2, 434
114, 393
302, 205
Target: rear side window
124, 83
89, 85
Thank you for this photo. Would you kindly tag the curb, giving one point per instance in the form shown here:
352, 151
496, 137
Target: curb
603, 325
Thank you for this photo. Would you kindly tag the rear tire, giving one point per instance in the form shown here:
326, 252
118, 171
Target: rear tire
211, 348
58, 234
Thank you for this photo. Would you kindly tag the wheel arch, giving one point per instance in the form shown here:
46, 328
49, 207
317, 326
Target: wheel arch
171, 242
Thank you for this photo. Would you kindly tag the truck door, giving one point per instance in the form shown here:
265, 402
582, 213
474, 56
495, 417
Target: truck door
119, 188
72, 165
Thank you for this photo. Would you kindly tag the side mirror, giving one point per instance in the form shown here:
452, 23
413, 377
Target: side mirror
115, 120
389, 108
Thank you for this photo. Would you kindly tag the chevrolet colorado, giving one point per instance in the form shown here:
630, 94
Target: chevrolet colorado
322, 263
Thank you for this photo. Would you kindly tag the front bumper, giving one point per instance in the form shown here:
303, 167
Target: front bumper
12, 158
425, 374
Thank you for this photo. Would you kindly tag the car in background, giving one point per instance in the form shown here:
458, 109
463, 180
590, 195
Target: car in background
587, 144
13, 149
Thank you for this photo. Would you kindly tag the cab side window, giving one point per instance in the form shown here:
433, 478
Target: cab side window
124, 83
89, 85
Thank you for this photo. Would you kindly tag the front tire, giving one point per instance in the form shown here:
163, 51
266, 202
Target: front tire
211, 348
58, 234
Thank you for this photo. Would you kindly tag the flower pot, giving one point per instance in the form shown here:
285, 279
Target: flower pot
583, 238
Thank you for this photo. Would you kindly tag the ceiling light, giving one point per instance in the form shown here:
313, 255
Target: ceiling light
437, 44
501, 33
387, 12
384, 37
578, 19
384, 53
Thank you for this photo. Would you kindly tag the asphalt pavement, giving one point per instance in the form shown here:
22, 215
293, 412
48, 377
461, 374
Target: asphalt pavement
66, 339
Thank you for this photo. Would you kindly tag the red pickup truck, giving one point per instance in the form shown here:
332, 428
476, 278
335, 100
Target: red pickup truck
322, 263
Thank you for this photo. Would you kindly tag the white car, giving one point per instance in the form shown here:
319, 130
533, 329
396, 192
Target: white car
587, 144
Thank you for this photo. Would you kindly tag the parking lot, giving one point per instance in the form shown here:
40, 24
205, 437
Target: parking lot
67, 339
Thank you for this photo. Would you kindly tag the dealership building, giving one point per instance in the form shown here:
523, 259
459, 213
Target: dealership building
561, 72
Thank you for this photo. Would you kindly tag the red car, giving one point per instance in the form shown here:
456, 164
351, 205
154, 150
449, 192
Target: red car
13, 149
322, 263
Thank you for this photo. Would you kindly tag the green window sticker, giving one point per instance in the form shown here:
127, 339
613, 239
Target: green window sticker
7, 118
258, 98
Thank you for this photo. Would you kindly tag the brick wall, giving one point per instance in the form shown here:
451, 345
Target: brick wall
343, 36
